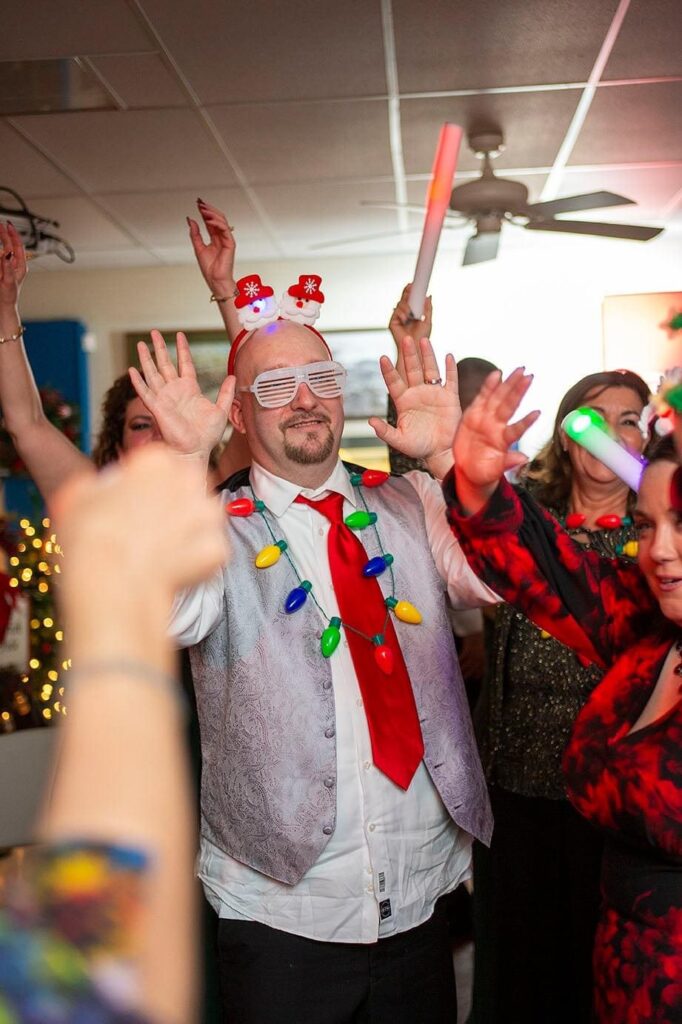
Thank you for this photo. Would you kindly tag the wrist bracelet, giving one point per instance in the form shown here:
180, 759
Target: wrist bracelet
149, 674
13, 337
224, 298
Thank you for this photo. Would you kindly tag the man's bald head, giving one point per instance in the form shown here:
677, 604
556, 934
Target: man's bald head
281, 343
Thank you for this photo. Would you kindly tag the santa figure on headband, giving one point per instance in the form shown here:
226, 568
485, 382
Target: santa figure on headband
255, 302
301, 303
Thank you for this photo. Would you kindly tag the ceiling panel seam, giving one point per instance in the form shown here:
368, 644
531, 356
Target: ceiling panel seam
209, 125
394, 127
551, 188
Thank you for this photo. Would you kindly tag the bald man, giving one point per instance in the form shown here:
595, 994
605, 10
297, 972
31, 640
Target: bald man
340, 793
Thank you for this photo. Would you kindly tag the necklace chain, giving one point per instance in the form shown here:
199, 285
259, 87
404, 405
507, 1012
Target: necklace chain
328, 618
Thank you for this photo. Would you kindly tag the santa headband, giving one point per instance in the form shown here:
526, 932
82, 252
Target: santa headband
256, 307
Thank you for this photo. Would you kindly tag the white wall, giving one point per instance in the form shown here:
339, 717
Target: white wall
539, 304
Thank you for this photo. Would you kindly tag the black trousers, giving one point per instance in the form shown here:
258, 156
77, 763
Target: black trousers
536, 904
272, 977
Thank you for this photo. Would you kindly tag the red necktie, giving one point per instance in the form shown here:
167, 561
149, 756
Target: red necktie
397, 745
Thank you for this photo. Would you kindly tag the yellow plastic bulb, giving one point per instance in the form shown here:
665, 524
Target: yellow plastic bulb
407, 612
631, 548
268, 556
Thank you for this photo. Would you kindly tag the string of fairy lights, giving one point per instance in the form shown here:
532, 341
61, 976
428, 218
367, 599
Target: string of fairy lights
33, 568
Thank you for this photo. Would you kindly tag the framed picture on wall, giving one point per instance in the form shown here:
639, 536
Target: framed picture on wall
640, 333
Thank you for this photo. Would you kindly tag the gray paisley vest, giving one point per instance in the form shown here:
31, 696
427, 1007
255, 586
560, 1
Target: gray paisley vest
266, 702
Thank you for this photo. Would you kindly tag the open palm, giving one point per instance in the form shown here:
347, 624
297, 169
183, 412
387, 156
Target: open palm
482, 446
427, 414
189, 422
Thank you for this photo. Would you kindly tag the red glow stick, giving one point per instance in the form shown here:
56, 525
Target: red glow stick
437, 203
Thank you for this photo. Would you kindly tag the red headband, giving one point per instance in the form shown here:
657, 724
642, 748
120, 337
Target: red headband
244, 335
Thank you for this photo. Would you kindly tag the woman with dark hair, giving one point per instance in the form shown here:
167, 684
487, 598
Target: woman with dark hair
622, 765
536, 890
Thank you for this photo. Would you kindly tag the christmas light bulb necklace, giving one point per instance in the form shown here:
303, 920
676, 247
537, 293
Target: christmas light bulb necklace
360, 519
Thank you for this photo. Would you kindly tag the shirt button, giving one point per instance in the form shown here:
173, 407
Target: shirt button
327, 830
371, 826
329, 783
321, 532
359, 702
368, 870
370, 890
367, 765
331, 731
327, 684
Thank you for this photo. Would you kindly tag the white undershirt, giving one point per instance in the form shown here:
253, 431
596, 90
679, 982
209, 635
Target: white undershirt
393, 853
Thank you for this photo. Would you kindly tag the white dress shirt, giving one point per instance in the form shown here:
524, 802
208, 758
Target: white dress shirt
393, 852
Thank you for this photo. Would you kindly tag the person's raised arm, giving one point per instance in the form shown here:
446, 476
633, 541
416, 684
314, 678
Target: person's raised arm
49, 456
122, 778
588, 603
216, 262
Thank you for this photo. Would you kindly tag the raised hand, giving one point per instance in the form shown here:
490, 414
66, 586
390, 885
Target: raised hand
484, 437
215, 259
402, 324
150, 514
13, 265
189, 422
427, 413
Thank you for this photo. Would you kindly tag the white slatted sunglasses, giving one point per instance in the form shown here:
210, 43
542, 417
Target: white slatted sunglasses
275, 388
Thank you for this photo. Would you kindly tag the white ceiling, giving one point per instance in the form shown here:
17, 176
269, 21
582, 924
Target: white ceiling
289, 114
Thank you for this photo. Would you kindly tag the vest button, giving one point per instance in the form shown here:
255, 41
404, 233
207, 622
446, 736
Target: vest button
331, 731
329, 783
327, 830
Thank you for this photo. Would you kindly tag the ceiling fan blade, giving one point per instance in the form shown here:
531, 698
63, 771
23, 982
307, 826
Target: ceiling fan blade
481, 247
587, 201
636, 232
364, 238
379, 205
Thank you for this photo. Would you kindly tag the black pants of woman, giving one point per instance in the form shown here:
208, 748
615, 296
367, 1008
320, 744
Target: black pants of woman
536, 902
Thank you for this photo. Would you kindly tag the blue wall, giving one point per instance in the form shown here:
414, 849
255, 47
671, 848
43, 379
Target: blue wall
55, 352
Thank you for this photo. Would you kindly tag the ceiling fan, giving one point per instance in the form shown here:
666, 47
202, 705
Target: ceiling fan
490, 201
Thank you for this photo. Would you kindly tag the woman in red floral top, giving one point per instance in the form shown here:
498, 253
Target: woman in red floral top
623, 765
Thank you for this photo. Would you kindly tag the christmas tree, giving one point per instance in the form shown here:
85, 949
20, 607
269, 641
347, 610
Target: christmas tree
33, 566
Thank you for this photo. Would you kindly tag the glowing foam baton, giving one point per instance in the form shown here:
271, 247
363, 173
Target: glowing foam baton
588, 429
437, 203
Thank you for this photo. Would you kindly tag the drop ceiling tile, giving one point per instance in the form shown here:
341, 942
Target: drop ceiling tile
26, 170
632, 124
446, 45
131, 150
648, 43
306, 215
158, 218
262, 51
83, 224
68, 28
533, 125
291, 142
142, 80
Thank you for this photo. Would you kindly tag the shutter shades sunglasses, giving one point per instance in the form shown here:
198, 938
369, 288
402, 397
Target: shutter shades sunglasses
276, 388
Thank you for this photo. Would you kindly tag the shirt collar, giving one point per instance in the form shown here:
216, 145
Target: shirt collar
278, 494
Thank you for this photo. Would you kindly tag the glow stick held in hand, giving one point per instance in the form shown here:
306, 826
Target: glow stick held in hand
437, 205
588, 429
